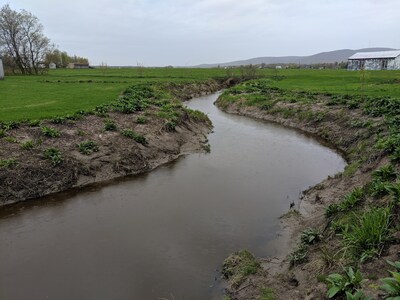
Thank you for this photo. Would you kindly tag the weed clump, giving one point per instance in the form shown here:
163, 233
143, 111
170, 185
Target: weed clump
109, 125
129, 133
28, 145
54, 155
50, 132
8, 163
238, 266
88, 147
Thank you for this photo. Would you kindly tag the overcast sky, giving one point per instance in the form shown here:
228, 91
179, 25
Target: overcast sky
186, 32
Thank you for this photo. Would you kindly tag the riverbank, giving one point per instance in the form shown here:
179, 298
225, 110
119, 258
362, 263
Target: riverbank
316, 240
147, 126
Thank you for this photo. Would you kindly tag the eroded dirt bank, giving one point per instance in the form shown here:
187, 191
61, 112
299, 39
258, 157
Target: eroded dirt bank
352, 128
145, 128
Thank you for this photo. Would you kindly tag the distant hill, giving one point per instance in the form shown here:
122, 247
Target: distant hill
323, 57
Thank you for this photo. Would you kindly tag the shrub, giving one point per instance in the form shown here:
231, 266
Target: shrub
54, 155
50, 132
88, 147
2, 133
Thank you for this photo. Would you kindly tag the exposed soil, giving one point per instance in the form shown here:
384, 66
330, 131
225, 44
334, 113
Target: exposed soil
34, 176
301, 281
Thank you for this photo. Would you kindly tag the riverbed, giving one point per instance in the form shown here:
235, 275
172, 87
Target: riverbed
163, 234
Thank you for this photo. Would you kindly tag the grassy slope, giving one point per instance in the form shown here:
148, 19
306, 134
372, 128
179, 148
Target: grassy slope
67, 91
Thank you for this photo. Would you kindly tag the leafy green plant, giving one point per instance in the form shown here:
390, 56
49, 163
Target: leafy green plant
28, 145
11, 139
101, 110
368, 233
170, 126
9, 125
54, 155
298, 256
50, 132
141, 120
8, 163
34, 123
310, 236
2, 133
348, 202
135, 136
88, 147
109, 125
352, 199
358, 295
379, 188
332, 209
340, 284
80, 132
391, 285
385, 173
58, 120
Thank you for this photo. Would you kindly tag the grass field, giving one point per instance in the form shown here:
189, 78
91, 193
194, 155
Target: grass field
66, 91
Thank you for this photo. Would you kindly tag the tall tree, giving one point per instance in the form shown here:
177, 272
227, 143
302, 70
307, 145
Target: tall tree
22, 38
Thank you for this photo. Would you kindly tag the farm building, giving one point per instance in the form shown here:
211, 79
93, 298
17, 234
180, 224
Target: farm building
382, 60
77, 66
52, 65
1, 69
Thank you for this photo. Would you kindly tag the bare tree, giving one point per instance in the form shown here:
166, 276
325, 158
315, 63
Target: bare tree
22, 38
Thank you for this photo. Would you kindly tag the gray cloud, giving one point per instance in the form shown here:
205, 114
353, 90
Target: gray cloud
183, 32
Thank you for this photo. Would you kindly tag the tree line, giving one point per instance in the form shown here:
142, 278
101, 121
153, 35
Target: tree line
24, 47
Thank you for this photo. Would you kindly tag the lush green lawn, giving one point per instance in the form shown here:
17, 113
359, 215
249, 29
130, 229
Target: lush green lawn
371, 83
66, 91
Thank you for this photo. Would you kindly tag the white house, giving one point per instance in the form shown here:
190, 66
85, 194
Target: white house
52, 65
381, 60
1, 69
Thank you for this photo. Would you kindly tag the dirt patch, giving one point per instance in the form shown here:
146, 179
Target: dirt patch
27, 172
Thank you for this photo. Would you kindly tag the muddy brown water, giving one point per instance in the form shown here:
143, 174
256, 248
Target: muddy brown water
163, 234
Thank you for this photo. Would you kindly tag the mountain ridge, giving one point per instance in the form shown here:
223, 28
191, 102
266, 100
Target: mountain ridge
322, 57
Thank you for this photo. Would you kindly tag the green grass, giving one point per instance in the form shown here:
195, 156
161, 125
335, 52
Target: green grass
62, 92
377, 83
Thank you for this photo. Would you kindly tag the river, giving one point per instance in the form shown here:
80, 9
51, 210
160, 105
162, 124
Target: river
163, 234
